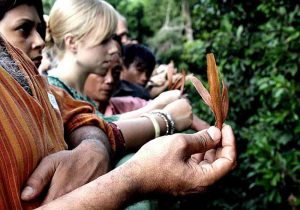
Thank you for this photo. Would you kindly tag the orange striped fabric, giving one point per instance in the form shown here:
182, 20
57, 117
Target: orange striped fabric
32, 128
76, 113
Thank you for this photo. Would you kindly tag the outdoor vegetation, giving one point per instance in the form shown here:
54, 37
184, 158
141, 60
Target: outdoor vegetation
257, 49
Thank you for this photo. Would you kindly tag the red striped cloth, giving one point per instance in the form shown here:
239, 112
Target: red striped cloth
32, 128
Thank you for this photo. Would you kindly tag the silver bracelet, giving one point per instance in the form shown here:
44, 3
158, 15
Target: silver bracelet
167, 117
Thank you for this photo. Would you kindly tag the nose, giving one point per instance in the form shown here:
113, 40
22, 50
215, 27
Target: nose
38, 42
109, 77
144, 79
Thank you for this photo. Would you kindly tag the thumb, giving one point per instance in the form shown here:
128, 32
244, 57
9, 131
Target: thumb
38, 180
203, 140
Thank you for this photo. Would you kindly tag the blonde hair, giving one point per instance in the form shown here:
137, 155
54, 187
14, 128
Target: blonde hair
79, 18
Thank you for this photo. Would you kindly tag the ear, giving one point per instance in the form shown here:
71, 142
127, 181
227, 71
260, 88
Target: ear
71, 43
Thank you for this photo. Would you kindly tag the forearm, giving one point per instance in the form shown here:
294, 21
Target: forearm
88, 133
113, 190
138, 131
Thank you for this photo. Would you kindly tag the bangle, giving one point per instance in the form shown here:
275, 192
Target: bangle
167, 117
154, 123
164, 119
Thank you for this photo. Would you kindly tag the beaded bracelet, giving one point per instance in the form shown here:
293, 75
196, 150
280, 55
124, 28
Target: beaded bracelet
167, 117
164, 119
154, 123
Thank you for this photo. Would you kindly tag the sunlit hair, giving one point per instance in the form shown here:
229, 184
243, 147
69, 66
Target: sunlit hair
80, 18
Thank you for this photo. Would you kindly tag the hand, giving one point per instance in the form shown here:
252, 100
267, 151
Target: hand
164, 99
184, 163
181, 112
67, 170
199, 124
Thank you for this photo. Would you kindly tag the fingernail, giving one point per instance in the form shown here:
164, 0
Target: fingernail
214, 133
27, 192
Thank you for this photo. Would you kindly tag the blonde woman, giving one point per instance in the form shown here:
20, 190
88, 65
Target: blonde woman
81, 34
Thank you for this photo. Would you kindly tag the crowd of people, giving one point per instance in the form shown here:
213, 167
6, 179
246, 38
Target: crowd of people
64, 128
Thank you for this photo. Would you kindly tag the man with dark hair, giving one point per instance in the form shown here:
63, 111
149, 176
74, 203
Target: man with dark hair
139, 63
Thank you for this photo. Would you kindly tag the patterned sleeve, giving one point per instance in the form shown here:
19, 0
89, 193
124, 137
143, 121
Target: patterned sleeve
77, 113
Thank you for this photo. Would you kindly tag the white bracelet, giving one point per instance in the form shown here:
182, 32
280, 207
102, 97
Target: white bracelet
170, 124
154, 123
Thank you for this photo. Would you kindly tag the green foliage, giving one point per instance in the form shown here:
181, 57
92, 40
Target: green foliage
47, 5
256, 45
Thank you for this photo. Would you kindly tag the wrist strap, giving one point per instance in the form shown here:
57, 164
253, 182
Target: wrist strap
154, 123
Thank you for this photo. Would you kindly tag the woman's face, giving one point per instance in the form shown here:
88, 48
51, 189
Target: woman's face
101, 87
20, 27
95, 58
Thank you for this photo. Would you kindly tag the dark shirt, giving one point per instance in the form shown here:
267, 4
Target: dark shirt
126, 88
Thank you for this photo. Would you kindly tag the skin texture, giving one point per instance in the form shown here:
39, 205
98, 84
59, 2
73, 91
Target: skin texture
178, 164
20, 27
71, 168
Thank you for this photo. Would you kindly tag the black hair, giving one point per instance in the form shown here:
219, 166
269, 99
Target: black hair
139, 53
6, 5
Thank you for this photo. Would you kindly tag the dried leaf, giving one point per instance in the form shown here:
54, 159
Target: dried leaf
225, 101
182, 81
214, 89
201, 90
170, 78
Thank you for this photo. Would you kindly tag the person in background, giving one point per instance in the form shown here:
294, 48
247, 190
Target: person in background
84, 48
122, 31
139, 63
49, 60
101, 87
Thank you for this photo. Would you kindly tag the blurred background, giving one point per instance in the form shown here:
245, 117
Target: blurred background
257, 49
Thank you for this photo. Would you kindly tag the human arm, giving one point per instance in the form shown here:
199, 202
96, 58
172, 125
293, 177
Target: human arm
67, 170
159, 102
138, 131
84, 131
179, 164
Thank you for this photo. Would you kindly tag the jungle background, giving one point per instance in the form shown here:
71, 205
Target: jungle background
257, 49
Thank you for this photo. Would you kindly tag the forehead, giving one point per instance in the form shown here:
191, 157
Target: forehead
122, 27
22, 11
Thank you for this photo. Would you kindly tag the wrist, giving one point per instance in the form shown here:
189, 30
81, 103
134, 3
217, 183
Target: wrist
94, 146
130, 179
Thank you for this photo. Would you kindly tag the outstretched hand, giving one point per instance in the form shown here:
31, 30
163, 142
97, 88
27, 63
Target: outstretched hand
185, 163
178, 164
165, 98
181, 112
65, 171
